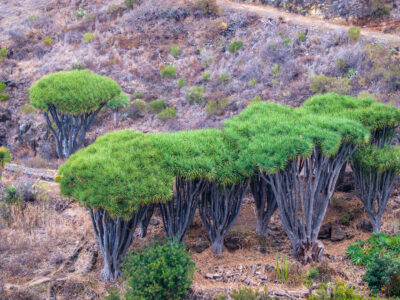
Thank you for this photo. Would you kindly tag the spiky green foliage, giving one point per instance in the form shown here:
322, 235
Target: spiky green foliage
73, 92
5, 156
119, 172
122, 101
378, 160
269, 135
3, 97
370, 113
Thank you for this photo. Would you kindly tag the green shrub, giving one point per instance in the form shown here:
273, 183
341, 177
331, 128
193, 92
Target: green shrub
80, 13
322, 84
255, 99
138, 95
336, 290
276, 70
341, 64
168, 71
48, 41
361, 252
3, 53
195, 94
313, 273
217, 107
5, 156
27, 109
223, 78
249, 294
206, 75
235, 46
253, 81
302, 36
157, 106
129, 3
287, 42
383, 274
181, 82
158, 272
140, 105
354, 34
3, 97
88, 37
168, 113
175, 50
11, 195
208, 7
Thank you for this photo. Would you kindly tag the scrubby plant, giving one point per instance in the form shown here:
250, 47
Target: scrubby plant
249, 294
80, 13
354, 34
276, 70
140, 105
282, 269
3, 96
181, 82
383, 274
336, 290
48, 41
217, 107
138, 95
88, 37
3, 53
342, 65
70, 102
195, 94
168, 71
302, 36
159, 272
11, 195
224, 78
287, 42
175, 50
129, 3
323, 84
253, 81
375, 172
206, 75
235, 46
168, 113
118, 103
5, 157
27, 109
208, 7
156, 106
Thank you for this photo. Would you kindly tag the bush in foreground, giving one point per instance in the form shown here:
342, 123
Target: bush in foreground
159, 272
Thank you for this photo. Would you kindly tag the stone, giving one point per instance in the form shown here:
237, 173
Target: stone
365, 225
338, 234
325, 231
199, 246
154, 222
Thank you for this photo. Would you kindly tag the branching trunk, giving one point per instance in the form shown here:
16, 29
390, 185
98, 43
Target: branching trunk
303, 191
146, 220
265, 203
383, 136
219, 207
69, 131
115, 115
374, 192
114, 235
179, 211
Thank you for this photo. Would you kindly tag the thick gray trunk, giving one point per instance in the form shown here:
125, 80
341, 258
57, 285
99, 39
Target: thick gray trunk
115, 113
145, 221
114, 235
303, 191
219, 207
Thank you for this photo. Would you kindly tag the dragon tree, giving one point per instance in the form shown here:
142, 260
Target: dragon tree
70, 102
117, 178
299, 155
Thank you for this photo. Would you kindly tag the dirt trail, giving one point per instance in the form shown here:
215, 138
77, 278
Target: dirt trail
312, 23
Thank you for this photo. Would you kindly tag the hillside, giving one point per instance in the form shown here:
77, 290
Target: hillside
231, 53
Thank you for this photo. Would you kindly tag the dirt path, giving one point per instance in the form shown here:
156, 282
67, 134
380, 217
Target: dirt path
312, 23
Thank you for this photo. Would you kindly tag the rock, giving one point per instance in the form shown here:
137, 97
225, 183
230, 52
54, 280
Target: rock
338, 234
247, 281
212, 276
325, 232
365, 225
154, 222
263, 250
232, 243
5, 115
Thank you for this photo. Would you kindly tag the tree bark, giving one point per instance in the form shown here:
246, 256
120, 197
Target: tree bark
70, 130
145, 221
179, 211
219, 207
303, 191
374, 190
114, 235
115, 115
265, 203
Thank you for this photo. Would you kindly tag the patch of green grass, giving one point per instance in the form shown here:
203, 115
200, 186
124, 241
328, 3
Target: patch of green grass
175, 50
48, 41
354, 34
157, 106
223, 78
206, 75
168, 113
181, 82
235, 46
88, 37
168, 71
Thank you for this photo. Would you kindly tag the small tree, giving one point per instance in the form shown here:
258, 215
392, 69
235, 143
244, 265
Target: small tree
118, 103
70, 102
375, 172
5, 157
116, 178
